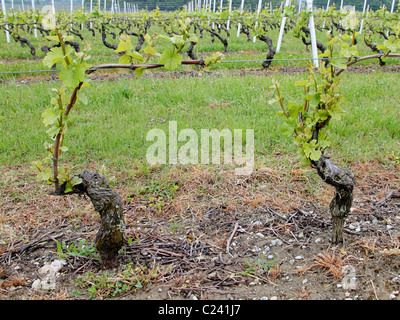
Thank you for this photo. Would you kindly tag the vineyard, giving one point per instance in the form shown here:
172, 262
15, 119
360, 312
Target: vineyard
115, 182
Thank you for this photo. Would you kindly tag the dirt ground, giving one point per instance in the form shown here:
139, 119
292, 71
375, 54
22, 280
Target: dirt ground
206, 234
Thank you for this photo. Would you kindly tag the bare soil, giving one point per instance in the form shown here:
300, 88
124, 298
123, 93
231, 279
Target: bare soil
213, 236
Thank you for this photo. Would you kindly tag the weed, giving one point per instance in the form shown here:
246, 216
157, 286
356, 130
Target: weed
261, 266
107, 284
82, 249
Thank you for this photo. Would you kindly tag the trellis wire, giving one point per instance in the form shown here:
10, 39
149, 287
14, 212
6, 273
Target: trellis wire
232, 61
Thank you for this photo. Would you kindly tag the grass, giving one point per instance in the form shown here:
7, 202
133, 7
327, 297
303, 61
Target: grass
112, 128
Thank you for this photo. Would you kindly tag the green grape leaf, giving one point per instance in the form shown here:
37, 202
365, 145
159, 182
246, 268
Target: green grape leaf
125, 59
45, 175
287, 127
348, 51
135, 55
150, 50
315, 154
68, 187
339, 63
391, 45
55, 55
138, 72
53, 131
49, 117
72, 75
293, 110
171, 60
311, 151
125, 44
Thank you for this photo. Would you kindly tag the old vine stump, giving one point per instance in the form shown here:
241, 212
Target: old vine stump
111, 236
343, 180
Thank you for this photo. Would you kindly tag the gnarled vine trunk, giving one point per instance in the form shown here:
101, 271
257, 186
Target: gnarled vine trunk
111, 236
271, 51
343, 180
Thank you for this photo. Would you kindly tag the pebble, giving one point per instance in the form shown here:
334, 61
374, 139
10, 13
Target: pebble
270, 256
266, 249
274, 298
298, 257
355, 226
264, 298
49, 274
305, 281
393, 295
230, 297
276, 242
318, 240
257, 224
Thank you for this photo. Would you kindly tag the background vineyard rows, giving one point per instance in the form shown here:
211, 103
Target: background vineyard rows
215, 32
169, 5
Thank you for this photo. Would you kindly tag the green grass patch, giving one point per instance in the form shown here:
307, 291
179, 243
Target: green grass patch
112, 128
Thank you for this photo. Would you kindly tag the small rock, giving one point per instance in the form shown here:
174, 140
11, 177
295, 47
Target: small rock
257, 224
393, 295
304, 281
259, 234
50, 274
264, 298
36, 285
270, 256
266, 250
298, 257
355, 226
318, 240
276, 242
230, 297
274, 298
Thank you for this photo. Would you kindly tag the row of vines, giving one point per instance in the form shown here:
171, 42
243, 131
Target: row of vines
218, 27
